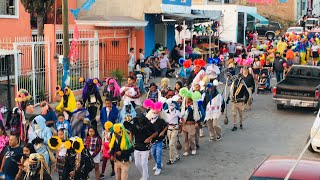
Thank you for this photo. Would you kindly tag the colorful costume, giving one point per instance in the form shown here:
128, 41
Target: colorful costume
79, 127
301, 47
112, 90
91, 94
127, 113
68, 101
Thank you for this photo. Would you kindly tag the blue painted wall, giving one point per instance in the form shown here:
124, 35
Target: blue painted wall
149, 31
170, 37
178, 2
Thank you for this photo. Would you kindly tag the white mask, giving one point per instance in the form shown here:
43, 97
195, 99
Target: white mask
171, 107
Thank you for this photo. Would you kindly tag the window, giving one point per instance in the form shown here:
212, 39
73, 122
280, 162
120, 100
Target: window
9, 8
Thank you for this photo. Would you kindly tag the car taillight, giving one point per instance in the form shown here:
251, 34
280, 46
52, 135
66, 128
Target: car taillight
274, 91
317, 94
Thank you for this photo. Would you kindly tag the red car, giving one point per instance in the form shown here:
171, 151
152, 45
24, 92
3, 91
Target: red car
277, 167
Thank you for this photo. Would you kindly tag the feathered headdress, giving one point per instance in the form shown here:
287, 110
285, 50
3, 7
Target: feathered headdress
187, 64
23, 95
199, 62
195, 96
214, 61
125, 142
155, 106
112, 81
41, 166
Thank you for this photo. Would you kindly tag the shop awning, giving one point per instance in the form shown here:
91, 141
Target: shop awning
188, 18
112, 21
260, 18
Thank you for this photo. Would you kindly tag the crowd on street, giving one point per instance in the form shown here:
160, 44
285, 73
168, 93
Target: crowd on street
142, 118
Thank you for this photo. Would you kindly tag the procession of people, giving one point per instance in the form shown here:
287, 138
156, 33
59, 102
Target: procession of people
143, 118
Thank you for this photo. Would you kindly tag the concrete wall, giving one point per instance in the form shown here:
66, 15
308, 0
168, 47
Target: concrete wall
20, 27
316, 7
135, 9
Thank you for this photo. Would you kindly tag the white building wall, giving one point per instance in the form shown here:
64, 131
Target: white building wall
316, 7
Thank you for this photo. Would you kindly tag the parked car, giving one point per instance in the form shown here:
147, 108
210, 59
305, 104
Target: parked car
300, 88
315, 143
312, 23
277, 168
269, 30
298, 30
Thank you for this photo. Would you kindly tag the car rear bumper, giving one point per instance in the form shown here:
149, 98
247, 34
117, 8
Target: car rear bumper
296, 102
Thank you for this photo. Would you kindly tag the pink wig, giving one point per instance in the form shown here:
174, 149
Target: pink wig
149, 104
116, 86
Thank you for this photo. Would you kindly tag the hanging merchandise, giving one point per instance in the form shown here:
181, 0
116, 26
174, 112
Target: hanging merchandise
74, 52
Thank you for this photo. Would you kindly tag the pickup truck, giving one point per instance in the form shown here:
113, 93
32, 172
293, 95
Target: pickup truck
300, 88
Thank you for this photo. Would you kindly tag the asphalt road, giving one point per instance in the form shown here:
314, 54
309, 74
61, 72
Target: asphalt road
266, 132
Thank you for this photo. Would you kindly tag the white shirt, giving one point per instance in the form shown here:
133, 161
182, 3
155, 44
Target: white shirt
131, 60
141, 57
172, 117
212, 71
164, 63
213, 109
314, 48
147, 71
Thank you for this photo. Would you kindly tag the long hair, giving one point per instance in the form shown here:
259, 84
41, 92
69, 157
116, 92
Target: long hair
96, 133
43, 167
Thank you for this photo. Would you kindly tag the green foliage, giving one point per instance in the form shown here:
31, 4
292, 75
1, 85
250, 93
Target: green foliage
41, 7
118, 75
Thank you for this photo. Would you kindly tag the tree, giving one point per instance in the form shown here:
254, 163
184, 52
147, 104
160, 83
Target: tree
40, 7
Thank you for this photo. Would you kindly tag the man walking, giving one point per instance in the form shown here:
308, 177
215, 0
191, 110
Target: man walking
278, 67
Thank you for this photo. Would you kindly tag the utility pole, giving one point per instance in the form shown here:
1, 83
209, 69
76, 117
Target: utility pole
66, 45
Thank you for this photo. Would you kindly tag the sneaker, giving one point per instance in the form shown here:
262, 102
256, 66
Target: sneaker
241, 127
177, 76
220, 82
219, 137
112, 174
157, 173
170, 162
154, 168
211, 139
194, 152
234, 128
178, 158
185, 154
101, 176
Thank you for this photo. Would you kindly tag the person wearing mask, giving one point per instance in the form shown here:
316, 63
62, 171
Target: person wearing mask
278, 67
214, 105
121, 148
131, 92
37, 169
50, 116
250, 84
127, 113
12, 155
239, 96
143, 132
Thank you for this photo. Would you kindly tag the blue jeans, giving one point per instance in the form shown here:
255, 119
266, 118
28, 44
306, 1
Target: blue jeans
163, 72
279, 75
157, 153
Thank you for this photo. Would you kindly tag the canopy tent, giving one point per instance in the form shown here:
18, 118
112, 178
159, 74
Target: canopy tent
260, 18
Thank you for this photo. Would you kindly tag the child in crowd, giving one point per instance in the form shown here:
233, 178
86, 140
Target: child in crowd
61, 153
147, 74
105, 150
93, 143
137, 67
62, 123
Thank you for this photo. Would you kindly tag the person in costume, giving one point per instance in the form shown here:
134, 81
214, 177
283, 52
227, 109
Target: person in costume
106, 137
161, 127
68, 101
199, 129
48, 113
214, 105
239, 96
213, 70
172, 116
121, 148
79, 162
127, 113
301, 47
199, 64
282, 46
143, 132
91, 94
61, 152
109, 113
131, 92
41, 148
14, 120
112, 91
39, 129
80, 120
38, 169
164, 86
24, 161
22, 100
190, 117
